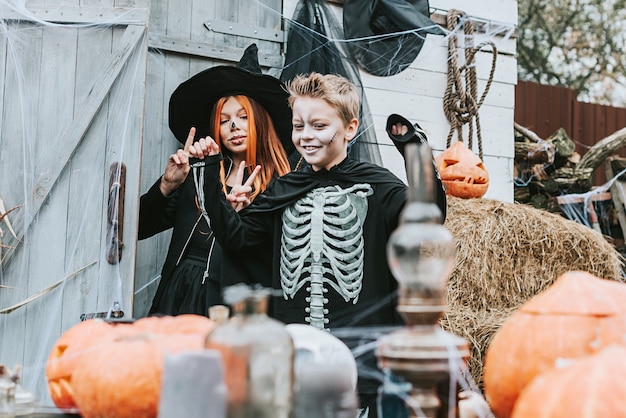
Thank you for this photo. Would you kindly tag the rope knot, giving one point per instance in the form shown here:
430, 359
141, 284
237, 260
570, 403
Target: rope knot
460, 99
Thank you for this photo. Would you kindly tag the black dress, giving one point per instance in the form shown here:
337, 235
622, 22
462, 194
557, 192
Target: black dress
190, 277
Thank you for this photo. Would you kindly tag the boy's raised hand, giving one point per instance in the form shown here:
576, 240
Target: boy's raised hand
399, 129
239, 196
177, 167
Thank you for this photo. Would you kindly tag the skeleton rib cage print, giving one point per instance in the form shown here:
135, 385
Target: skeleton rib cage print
322, 246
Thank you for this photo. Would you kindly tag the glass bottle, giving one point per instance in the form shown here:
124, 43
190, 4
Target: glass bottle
421, 255
257, 352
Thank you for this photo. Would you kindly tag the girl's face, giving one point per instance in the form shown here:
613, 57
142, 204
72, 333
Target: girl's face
234, 128
319, 133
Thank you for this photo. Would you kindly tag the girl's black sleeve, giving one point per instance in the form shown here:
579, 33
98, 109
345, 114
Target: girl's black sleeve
156, 212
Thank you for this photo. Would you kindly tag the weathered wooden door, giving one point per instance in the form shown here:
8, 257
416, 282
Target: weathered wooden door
72, 89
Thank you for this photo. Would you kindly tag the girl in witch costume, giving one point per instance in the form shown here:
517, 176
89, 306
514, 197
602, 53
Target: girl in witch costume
248, 113
327, 224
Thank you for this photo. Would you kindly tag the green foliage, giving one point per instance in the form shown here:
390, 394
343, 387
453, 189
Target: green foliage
575, 44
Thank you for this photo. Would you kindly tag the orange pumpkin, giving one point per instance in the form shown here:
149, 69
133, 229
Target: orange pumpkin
576, 316
122, 378
65, 354
590, 387
462, 173
86, 338
180, 324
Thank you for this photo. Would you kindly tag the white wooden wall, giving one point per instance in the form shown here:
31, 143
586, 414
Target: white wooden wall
417, 92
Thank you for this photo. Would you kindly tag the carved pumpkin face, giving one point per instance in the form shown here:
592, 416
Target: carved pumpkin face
462, 173
576, 316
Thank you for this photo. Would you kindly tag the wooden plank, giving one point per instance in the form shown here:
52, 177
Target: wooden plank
116, 281
158, 144
3, 62
202, 49
86, 178
201, 13
433, 84
504, 11
76, 14
434, 57
618, 192
75, 131
228, 11
55, 111
588, 217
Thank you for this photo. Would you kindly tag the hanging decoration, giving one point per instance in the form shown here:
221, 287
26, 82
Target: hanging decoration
465, 174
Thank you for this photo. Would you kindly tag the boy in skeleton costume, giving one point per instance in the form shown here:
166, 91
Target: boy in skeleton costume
324, 227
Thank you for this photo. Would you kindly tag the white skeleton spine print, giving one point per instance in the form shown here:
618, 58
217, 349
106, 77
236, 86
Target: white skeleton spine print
322, 246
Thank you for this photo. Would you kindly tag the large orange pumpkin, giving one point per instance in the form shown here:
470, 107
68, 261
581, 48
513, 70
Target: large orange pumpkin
122, 378
86, 338
66, 352
590, 387
462, 173
180, 324
576, 316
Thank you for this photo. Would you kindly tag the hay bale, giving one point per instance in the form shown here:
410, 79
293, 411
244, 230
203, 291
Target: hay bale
506, 254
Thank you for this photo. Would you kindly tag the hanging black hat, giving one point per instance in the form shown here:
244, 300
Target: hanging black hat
192, 101
385, 54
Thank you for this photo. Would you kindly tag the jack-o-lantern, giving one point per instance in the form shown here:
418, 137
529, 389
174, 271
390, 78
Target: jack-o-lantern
462, 173
576, 316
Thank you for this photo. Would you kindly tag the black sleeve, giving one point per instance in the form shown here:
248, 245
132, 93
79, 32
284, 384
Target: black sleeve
156, 212
392, 197
233, 231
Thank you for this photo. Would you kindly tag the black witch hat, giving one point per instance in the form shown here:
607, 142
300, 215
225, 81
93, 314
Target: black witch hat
386, 50
192, 101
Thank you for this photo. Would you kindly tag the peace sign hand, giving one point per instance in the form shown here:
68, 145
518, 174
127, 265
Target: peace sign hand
239, 196
177, 167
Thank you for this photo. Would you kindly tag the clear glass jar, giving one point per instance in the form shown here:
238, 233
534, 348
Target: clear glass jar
257, 352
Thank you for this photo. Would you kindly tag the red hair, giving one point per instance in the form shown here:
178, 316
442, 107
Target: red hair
263, 146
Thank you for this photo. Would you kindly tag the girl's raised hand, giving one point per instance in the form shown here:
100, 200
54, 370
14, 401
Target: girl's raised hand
204, 146
177, 167
239, 196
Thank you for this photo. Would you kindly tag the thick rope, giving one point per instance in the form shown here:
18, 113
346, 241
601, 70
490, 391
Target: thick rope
459, 102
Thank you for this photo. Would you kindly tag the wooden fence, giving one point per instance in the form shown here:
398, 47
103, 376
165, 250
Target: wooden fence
545, 109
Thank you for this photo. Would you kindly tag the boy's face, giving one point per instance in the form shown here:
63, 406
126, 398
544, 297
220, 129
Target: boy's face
319, 133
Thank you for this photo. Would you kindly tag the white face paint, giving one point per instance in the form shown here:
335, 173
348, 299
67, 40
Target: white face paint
319, 134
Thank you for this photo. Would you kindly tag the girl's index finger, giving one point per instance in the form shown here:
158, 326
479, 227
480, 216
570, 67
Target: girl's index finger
250, 180
190, 137
240, 170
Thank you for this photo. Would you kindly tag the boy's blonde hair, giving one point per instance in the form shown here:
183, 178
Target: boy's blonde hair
337, 91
